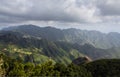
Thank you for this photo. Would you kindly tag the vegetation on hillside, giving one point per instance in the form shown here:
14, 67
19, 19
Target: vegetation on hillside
95, 38
100, 68
38, 50
48, 52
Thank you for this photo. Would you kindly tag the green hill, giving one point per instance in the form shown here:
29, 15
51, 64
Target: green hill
99, 68
31, 49
95, 38
37, 50
104, 68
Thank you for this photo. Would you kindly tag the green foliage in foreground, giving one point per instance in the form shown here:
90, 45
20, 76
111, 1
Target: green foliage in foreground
16, 68
104, 68
100, 68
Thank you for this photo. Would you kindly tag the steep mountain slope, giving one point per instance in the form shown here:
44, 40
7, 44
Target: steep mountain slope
32, 30
95, 38
37, 50
32, 49
97, 53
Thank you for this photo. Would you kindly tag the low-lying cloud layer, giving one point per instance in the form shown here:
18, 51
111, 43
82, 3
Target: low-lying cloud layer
59, 11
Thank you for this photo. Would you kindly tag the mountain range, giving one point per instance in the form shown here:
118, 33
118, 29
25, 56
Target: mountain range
95, 38
31, 43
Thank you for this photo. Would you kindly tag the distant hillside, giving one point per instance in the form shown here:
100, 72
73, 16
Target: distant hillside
32, 49
97, 53
49, 33
38, 50
95, 38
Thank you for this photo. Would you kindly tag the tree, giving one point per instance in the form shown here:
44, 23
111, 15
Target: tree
77, 71
29, 67
45, 69
17, 69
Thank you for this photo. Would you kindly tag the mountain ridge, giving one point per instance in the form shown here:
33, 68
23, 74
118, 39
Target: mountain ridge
72, 35
32, 49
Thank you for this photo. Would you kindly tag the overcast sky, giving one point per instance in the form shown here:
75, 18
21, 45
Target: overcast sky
102, 15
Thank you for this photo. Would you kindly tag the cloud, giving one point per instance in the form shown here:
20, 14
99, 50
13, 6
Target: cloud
109, 10
47, 10
59, 11
109, 7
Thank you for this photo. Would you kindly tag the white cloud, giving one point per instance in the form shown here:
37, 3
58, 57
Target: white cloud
109, 7
59, 12
47, 10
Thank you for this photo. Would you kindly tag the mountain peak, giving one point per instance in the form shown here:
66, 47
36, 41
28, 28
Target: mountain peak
72, 35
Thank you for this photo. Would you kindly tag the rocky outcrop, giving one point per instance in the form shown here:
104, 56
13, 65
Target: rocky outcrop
82, 60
